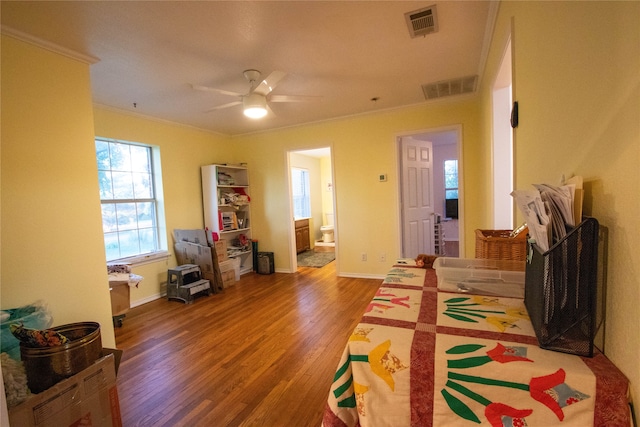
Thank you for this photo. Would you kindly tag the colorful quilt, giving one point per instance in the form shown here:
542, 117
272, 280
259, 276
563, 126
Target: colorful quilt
420, 357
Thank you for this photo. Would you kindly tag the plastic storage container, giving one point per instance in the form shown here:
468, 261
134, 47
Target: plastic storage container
481, 276
34, 316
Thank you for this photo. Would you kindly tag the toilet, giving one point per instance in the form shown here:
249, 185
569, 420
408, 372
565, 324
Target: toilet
327, 230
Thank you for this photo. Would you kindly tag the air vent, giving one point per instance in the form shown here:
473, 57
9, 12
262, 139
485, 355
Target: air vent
422, 22
450, 87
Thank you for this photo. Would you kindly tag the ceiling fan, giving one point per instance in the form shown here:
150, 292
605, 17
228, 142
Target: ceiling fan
255, 101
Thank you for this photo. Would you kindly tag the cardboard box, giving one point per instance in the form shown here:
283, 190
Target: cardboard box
197, 236
227, 269
221, 250
191, 247
120, 301
228, 278
88, 398
117, 356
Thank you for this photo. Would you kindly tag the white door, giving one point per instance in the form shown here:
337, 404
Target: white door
417, 197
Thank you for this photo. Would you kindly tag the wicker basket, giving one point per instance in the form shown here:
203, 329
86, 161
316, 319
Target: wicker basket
496, 244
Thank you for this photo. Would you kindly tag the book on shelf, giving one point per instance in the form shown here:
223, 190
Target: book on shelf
229, 221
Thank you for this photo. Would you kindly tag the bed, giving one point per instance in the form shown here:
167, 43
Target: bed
425, 357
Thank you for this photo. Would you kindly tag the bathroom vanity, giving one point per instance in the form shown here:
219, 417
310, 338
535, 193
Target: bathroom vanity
303, 242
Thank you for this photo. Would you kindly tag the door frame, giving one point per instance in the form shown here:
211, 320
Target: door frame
457, 129
293, 256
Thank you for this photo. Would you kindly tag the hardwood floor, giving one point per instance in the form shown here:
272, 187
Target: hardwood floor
262, 353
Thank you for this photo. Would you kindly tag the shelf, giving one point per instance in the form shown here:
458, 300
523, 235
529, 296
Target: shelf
234, 231
237, 254
225, 192
232, 206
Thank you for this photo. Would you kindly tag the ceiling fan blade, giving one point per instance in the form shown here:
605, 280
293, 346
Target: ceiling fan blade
268, 84
220, 107
213, 89
294, 98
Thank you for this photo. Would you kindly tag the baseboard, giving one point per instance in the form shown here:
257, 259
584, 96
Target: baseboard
362, 276
146, 300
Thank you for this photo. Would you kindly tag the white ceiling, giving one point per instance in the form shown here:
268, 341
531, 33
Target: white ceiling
346, 52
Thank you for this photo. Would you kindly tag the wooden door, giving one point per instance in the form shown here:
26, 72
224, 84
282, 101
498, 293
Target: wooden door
417, 197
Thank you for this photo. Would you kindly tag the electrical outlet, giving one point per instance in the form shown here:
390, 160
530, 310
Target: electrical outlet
383, 257
363, 256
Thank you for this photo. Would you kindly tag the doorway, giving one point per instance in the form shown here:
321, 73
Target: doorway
440, 227
313, 227
502, 145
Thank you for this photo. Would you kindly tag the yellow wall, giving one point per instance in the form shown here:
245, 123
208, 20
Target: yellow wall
183, 150
578, 89
366, 210
52, 244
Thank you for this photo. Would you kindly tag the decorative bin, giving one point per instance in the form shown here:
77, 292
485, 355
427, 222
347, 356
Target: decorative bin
46, 366
498, 244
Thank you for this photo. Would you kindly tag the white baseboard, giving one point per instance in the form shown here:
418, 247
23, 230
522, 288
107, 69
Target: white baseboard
146, 300
362, 276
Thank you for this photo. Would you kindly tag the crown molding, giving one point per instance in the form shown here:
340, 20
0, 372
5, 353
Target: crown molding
52, 47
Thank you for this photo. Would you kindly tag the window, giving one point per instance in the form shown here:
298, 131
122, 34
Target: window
450, 179
451, 189
129, 190
301, 193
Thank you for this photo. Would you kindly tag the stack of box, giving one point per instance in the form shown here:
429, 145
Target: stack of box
226, 264
191, 247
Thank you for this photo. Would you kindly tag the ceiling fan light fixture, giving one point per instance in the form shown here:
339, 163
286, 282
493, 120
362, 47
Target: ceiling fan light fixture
255, 106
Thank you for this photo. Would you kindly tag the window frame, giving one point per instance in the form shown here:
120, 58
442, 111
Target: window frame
305, 181
159, 229
457, 176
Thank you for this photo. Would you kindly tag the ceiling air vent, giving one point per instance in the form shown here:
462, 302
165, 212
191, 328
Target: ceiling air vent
450, 87
422, 22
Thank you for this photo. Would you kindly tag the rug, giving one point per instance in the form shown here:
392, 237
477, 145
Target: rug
315, 259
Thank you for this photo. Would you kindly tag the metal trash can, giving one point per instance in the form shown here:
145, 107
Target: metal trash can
265, 263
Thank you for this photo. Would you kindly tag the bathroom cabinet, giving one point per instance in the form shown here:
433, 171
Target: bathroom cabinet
303, 242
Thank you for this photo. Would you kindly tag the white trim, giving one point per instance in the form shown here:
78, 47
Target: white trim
492, 16
147, 299
362, 276
135, 114
139, 260
444, 100
45, 44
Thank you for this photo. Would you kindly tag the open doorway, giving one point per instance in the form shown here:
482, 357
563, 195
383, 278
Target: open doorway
438, 228
313, 228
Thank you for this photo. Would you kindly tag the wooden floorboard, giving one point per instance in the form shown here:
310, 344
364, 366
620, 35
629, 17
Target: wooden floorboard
261, 353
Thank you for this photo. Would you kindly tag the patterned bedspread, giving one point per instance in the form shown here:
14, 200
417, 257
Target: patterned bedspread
423, 357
